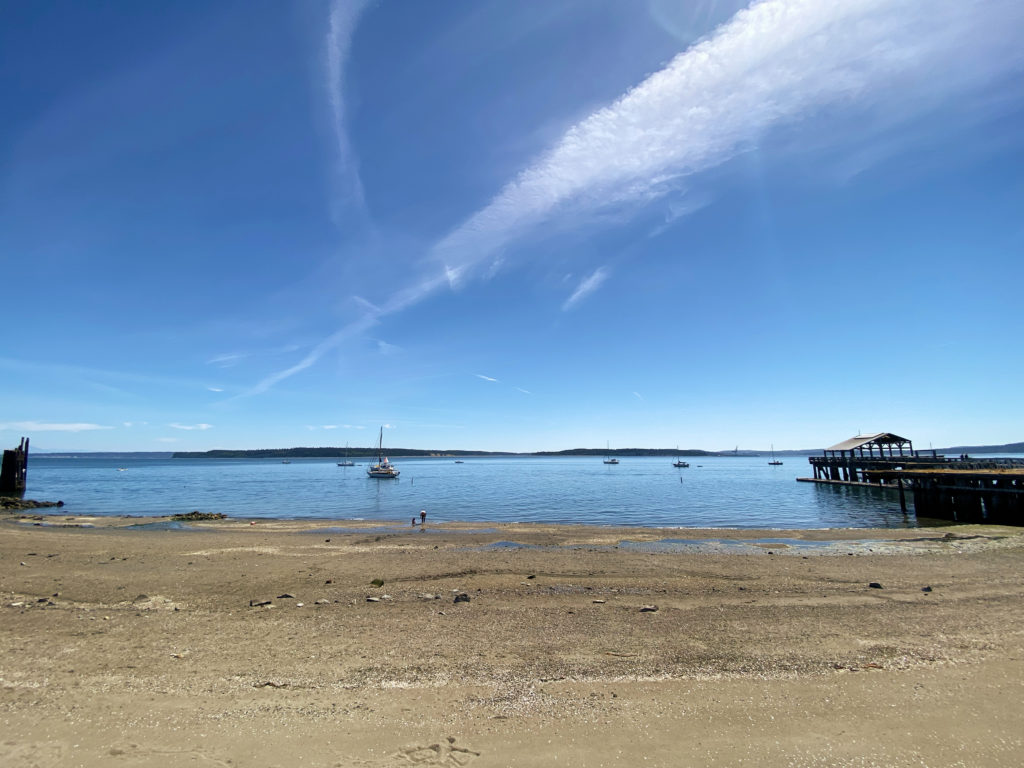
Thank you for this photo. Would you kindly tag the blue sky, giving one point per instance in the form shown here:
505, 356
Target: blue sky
519, 226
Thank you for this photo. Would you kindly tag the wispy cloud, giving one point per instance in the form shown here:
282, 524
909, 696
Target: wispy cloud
42, 426
190, 427
586, 287
344, 17
485, 378
772, 64
638, 396
524, 391
227, 360
215, 389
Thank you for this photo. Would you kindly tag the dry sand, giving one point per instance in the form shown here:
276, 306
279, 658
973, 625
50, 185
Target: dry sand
138, 647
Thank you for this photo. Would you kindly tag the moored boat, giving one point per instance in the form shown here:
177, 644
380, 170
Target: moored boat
383, 469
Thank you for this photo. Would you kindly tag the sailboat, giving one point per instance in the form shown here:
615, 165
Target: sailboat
383, 468
678, 462
609, 459
347, 462
774, 462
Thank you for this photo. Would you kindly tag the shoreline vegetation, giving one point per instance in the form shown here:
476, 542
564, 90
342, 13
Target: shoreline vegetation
356, 643
371, 452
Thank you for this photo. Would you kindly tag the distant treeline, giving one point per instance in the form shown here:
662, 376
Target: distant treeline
1005, 448
357, 453
314, 453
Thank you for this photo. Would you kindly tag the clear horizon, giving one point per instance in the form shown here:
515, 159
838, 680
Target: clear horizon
511, 226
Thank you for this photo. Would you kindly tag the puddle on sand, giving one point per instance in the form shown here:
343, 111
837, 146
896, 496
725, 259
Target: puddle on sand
749, 546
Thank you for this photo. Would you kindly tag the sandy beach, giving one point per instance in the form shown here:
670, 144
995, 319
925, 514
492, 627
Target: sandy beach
234, 644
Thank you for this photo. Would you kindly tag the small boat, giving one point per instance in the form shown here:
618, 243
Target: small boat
346, 462
459, 461
285, 461
679, 462
383, 469
609, 459
774, 462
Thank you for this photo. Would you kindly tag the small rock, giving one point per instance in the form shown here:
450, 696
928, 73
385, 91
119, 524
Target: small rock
23, 563
322, 601
649, 609
329, 581
259, 603
286, 596
373, 599
926, 589
377, 583
875, 585
138, 598
299, 605
532, 576
599, 602
462, 597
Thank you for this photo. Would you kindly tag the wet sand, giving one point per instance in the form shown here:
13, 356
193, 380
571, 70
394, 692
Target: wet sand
139, 643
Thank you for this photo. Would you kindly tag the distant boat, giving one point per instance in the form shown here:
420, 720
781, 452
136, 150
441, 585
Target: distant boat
609, 459
678, 462
285, 461
346, 462
774, 462
383, 468
459, 461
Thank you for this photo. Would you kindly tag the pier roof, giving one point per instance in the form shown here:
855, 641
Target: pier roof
881, 438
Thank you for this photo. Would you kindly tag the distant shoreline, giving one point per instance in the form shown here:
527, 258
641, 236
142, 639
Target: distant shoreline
371, 453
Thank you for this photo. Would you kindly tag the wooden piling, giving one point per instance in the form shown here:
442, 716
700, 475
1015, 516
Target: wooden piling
14, 470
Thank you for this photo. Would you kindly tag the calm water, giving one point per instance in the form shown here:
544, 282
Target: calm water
712, 492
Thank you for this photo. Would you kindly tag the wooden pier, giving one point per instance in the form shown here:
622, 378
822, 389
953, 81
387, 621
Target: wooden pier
961, 489
14, 470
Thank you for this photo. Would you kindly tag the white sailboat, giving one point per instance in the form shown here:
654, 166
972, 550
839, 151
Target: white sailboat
608, 458
679, 462
346, 462
774, 462
383, 469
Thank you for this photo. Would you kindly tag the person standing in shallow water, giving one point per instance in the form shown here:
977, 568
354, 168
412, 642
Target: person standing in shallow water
423, 516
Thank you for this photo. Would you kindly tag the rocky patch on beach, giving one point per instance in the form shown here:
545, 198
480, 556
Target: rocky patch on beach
12, 504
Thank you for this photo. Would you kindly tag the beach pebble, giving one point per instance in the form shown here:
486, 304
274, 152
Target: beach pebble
599, 602
322, 601
462, 597
259, 603
649, 609
926, 589
875, 585
373, 599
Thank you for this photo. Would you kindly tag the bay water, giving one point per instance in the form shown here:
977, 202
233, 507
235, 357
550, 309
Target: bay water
713, 492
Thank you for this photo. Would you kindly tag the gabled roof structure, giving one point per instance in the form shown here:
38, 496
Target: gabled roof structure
881, 440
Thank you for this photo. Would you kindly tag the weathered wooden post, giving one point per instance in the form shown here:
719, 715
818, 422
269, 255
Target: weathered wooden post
14, 469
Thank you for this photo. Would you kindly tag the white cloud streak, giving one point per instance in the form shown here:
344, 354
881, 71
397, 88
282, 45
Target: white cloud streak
190, 427
485, 378
771, 65
586, 287
342, 23
42, 426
